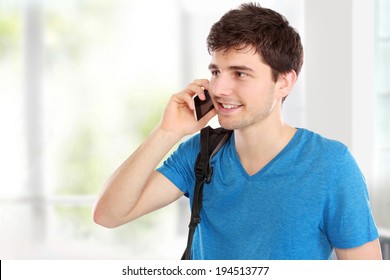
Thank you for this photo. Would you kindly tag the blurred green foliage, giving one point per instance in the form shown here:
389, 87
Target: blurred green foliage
82, 165
80, 162
10, 32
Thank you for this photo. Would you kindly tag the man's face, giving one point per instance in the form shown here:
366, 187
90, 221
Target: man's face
242, 88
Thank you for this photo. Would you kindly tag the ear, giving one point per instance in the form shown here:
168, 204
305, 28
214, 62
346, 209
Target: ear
286, 82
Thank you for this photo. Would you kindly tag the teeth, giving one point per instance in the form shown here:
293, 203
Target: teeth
229, 106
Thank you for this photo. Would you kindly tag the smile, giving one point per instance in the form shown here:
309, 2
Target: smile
225, 108
230, 106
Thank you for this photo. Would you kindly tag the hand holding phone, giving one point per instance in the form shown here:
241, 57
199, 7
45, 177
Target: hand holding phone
202, 107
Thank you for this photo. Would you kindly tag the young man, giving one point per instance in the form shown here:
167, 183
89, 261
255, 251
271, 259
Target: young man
277, 192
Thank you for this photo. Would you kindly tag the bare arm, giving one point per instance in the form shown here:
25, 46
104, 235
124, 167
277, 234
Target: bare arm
369, 251
135, 188
117, 201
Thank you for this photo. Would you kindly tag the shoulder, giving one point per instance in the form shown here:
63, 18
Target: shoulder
321, 146
179, 166
340, 170
191, 142
320, 141
333, 157
186, 151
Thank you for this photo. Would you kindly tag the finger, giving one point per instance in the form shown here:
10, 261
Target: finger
184, 98
196, 90
198, 87
201, 82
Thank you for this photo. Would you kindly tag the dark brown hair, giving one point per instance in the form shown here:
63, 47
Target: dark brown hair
271, 35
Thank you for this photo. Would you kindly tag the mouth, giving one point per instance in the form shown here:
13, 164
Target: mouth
229, 108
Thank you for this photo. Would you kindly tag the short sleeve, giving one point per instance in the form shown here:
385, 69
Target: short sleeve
348, 220
179, 167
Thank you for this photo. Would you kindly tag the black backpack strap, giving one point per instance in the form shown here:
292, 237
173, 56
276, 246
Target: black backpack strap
211, 140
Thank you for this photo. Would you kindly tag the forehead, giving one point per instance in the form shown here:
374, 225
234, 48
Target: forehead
232, 57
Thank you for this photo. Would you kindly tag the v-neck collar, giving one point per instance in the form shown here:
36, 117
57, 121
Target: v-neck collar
289, 146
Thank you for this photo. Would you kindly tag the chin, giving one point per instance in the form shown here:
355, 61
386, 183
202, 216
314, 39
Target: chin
237, 124
228, 124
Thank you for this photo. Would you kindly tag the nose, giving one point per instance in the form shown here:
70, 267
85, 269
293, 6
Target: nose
221, 85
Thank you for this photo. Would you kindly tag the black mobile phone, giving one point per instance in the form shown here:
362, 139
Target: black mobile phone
202, 107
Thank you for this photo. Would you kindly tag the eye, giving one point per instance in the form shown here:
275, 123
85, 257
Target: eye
215, 72
240, 74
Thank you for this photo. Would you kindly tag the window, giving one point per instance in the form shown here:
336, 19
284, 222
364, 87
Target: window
382, 116
76, 97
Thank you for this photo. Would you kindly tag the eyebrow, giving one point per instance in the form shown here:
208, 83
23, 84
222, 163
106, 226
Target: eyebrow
213, 66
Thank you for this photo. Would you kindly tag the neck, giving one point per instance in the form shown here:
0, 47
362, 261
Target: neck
258, 145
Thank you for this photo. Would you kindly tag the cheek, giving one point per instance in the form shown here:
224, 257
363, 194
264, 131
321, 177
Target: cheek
261, 95
211, 86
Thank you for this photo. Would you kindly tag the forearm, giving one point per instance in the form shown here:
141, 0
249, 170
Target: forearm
123, 189
132, 191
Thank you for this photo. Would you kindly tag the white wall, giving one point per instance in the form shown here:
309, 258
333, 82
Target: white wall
339, 84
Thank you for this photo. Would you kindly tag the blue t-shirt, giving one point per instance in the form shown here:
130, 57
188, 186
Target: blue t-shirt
309, 199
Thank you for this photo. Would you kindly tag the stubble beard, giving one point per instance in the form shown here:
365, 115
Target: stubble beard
250, 117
